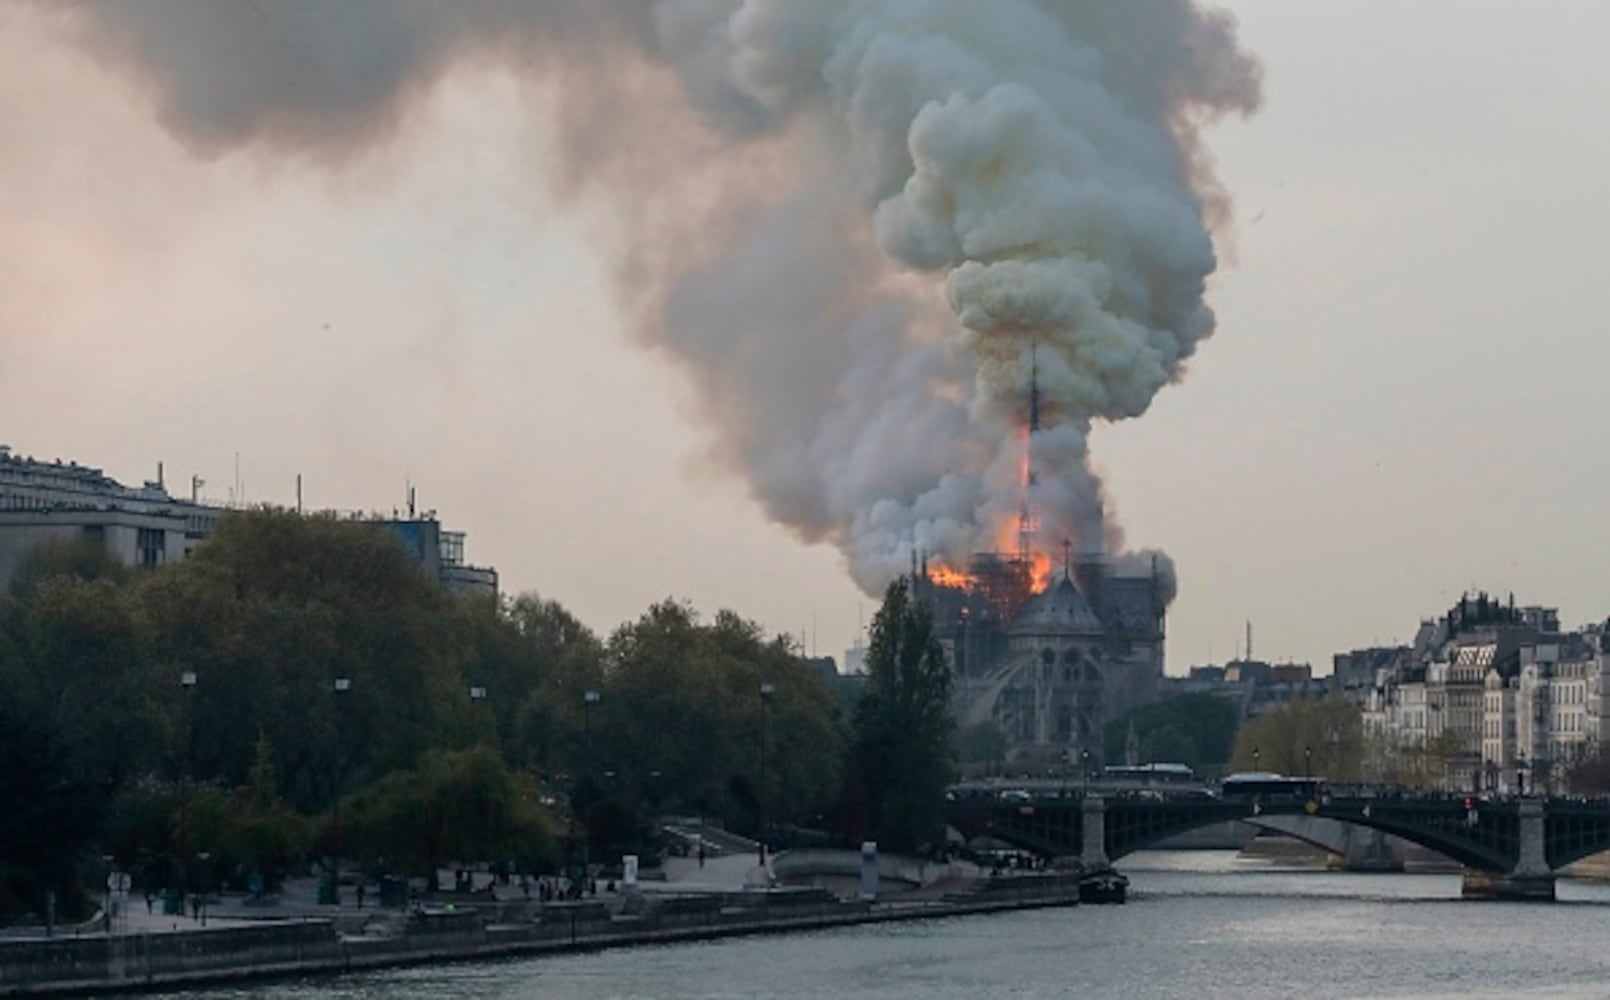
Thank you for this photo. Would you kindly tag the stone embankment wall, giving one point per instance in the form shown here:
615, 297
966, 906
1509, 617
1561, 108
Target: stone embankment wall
124, 962
84, 964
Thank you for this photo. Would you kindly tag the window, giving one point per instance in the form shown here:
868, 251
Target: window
150, 548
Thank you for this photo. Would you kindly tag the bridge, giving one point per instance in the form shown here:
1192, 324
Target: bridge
1510, 848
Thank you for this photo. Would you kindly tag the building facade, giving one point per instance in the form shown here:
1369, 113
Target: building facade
146, 527
1490, 697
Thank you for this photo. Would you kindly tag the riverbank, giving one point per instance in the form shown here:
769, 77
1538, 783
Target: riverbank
261, 949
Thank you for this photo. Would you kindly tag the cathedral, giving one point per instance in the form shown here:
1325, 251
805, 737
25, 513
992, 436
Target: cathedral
1049, 663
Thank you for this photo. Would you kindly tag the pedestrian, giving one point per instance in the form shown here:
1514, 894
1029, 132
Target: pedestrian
148, 902
701, 852
360, 895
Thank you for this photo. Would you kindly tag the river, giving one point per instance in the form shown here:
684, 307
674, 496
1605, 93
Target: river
1199, 924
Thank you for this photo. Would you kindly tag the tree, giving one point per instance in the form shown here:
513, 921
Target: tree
49, 817
78, 559
904, 725
682, 720
87, 671
981, 747
548, 659
1197, 730
1315, 737
457, 805
268, 614
1590, 775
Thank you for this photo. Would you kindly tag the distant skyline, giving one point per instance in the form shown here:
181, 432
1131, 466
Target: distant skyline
1402, 401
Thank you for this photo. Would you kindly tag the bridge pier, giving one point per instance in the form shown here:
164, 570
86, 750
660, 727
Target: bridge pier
1530, 879
1367, 851
1094, 853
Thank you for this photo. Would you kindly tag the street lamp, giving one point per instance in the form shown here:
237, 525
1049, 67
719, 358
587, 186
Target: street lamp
478, 695
767, 689
340, 687
588, 700
187, 681
1084, 768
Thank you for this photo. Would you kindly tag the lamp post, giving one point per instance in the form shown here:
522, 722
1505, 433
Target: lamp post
767, 689
187, 682
1084, 769
588, 700
1308, 762
340, 687
201, 889
477, 696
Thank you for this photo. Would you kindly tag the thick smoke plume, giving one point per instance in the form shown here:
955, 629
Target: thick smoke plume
856, 223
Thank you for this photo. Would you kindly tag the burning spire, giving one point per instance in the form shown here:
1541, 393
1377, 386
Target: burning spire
1028, 526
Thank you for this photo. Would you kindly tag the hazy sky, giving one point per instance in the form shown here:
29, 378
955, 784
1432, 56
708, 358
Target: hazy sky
1403, 399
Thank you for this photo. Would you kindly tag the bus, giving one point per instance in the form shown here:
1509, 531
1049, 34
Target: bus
1267, 786
1150, 775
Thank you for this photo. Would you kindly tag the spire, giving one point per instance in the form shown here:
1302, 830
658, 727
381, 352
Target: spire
1027, 525
1034, 389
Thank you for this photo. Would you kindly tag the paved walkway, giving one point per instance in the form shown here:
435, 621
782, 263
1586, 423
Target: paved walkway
298, 898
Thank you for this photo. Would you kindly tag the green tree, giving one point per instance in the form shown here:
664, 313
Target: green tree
981, 747
77, 559
1323, 737
268, 614
1197, 730
49, 817
263, 835
1590, 775
904, 725
682, 719
457, 805
87, 671
546, 660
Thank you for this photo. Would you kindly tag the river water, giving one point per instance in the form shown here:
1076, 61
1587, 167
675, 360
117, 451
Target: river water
1199, 924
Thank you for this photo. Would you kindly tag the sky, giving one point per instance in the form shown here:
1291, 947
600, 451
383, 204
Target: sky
1402, 400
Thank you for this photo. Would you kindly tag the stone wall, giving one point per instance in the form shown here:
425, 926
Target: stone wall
121, 962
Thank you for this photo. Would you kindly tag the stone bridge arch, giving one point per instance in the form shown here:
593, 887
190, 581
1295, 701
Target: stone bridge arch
1508, 848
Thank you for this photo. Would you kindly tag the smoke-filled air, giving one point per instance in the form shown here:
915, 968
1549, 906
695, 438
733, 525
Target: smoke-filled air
881, 237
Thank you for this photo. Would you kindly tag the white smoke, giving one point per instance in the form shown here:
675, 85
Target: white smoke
896, 204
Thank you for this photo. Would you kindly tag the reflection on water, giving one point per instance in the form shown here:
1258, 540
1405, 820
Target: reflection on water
1201, 924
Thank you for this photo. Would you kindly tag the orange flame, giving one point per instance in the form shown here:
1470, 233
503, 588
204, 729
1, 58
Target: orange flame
1042, 571
1009, 535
